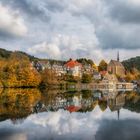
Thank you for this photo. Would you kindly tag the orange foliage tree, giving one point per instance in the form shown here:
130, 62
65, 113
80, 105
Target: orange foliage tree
17, 71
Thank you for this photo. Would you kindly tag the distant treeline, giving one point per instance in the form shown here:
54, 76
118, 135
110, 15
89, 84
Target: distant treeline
132, 63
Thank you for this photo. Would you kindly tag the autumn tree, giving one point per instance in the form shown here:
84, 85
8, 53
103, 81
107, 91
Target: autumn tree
86, 78
102, 66
48, 77
95, 67
17, 71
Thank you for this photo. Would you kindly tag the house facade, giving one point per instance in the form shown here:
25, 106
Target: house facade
74, 68
41, 65
59, 69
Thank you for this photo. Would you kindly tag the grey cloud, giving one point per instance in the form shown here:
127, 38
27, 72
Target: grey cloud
124, 11
118, 130
30, 8
5, 36
56, 5
119, 36
108, 24
11, 23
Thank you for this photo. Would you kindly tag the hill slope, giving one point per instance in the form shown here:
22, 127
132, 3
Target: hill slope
6, 54
132, 63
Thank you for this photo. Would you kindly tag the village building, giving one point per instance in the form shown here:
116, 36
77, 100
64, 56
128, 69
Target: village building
108, 82
87, 69
41, 65
59, 69
110, 78
74, 68
116, 67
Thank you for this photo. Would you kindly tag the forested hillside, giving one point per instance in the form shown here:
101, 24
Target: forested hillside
132, 63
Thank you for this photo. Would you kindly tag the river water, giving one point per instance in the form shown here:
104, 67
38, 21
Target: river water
29, 114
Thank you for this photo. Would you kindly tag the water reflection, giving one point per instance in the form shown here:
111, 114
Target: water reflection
16, 104
28, 114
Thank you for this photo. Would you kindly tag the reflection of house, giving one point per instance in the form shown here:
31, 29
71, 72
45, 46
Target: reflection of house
96, 75
73, 108
76, 101
86, 102
74, 104
97, 94
74, 68
60, 102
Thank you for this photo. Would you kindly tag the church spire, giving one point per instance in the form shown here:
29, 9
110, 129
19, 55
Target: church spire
118, 56
118, 112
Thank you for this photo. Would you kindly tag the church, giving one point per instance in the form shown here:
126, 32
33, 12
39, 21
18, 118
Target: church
116, 67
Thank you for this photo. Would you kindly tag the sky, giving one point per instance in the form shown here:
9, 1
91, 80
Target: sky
63, 29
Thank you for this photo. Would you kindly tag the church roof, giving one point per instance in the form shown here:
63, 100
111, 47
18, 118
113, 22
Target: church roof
116, 63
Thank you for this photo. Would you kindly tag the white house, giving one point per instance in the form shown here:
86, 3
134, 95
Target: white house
74, 68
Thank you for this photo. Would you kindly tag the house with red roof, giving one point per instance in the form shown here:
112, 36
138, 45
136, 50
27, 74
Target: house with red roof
74, 104
74, 68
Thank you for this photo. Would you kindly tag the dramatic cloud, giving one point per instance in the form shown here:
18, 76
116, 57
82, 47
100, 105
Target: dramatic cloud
61, 29
49, 49
125, 11
63, 125
11, 23
65, 47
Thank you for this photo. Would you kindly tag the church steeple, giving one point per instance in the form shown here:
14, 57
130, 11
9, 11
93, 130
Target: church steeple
118, 56
118, 112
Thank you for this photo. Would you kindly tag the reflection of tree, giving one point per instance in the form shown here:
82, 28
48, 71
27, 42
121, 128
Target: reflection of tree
17, 103
102, 105
132, 101
18, 120
86, 94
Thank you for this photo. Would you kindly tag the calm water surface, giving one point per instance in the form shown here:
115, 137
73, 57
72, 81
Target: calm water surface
28, 114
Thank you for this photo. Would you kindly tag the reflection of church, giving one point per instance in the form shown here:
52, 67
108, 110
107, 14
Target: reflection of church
117, 103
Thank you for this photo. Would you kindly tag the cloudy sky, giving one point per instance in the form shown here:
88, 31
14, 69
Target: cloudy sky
62, 29
62, 125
